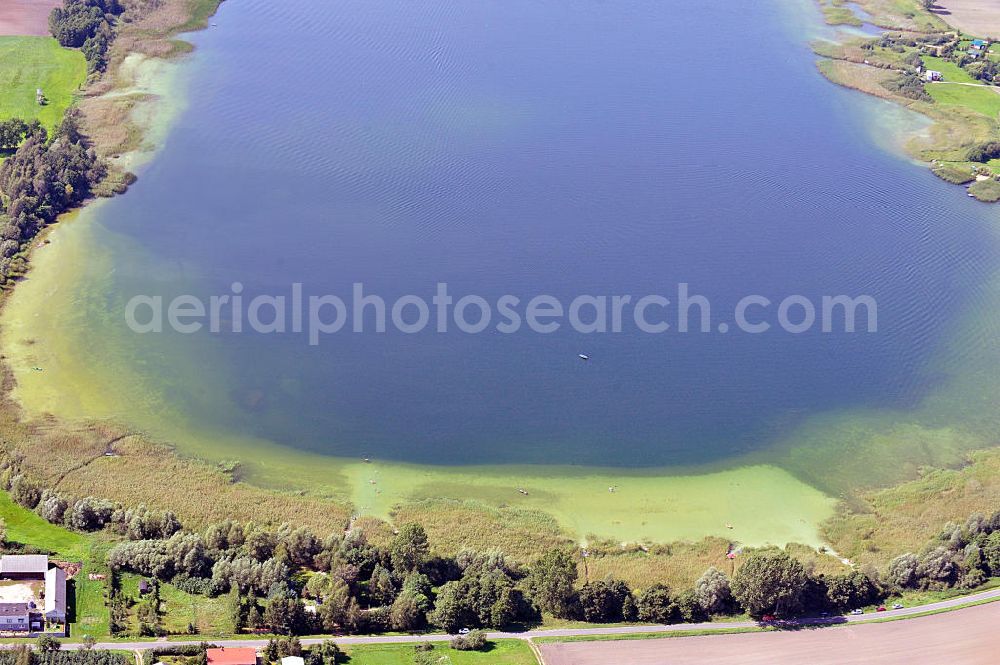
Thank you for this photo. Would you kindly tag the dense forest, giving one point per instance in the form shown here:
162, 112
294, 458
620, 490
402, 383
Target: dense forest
44, 177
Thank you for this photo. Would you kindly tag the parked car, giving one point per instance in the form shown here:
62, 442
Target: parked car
881, 608
897, 606
768, 617
463, 631
857, 612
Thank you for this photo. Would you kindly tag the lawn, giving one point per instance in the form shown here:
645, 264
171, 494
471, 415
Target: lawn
179, 608
29, 63
949, 70
503, 652
979, 99
24, 526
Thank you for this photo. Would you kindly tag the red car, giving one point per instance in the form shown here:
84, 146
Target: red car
768, 617
881, 608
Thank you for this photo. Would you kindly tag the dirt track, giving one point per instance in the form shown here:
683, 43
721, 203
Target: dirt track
25, 17
969, 636
976, 17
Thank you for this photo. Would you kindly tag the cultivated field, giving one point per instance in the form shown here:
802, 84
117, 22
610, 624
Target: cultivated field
25, 17
977, 17
965, 636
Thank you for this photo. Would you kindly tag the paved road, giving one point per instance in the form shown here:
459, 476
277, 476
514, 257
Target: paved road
574, 632
965, 637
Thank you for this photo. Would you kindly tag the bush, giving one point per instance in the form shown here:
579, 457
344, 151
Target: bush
908, 85
475, 640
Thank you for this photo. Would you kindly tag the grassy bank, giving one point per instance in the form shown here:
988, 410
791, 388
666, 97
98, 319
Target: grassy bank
502, 652
31, 63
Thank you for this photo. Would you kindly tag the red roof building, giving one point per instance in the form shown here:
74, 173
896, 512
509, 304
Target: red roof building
232, 656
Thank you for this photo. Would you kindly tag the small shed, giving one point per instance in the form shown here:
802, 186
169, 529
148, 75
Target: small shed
145, 587
932, 75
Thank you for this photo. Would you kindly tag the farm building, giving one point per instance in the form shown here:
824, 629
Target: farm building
26, 581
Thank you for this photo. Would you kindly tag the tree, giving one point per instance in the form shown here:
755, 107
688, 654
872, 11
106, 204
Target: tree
903, 571
551, 581
656, 605
602, 602
991, 552
47, 644
852, 590
939, 567
712, 591
381, 588
409, 548
770, 582
630, 611
285, 616
12, 132
409, 611
451, 609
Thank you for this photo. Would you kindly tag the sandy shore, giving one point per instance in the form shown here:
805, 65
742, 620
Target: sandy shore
976, 17
25, 17
965, 636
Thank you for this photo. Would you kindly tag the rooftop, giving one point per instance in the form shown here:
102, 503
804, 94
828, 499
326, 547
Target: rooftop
232, 656
13, 609
55, 591
24, 563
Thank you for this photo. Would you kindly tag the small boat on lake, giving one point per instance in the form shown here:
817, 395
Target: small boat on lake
583, 356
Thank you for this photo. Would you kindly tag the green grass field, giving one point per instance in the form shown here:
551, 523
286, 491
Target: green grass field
949, 70
504, 652
24, 526
980, 99
179, 608
29, 63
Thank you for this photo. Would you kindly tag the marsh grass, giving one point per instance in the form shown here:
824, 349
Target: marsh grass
453, 525
986, 190
956, 174
904, 518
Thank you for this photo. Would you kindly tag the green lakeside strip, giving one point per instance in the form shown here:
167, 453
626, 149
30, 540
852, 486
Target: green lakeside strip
31, 63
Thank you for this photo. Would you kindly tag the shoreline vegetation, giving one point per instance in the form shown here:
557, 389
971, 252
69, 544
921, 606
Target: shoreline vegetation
251, 578
921, 63
116, 464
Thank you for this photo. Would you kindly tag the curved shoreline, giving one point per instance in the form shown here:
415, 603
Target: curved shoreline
761, 488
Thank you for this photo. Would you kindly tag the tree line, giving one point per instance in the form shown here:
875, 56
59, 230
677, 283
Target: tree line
45, 177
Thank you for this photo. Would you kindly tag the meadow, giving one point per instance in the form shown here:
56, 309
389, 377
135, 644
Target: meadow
30, 63
502, 652
981, 99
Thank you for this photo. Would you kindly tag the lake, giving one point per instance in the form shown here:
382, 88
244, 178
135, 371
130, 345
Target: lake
521, 148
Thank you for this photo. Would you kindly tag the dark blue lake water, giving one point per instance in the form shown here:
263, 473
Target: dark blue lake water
523, 147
